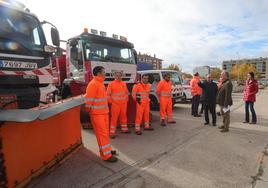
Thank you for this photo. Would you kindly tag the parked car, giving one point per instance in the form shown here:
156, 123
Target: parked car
186, 91
155, 76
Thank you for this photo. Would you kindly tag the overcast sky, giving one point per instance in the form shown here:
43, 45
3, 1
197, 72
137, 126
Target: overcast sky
185, 32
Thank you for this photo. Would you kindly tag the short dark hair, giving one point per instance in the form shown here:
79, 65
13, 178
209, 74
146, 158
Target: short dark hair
144, 75
97, 70
166, 75
252, 74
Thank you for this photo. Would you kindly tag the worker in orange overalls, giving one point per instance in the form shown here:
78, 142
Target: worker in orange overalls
196, 93
97, 106
118, 96
140, 94
164, 92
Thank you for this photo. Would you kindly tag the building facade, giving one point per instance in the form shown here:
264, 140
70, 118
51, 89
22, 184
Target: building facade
203, 70
261, 65
153, 60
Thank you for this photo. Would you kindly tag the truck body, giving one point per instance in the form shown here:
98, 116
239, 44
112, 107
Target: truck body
25, 58
88, 50
155, 76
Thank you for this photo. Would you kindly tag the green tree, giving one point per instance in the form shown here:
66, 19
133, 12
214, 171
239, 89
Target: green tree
239, 71
174, 67
215, 73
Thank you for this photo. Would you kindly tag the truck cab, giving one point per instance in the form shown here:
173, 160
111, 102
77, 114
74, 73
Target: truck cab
88, 50
25, 58
155, 76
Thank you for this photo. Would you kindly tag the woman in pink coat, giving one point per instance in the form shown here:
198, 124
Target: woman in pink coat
250, 97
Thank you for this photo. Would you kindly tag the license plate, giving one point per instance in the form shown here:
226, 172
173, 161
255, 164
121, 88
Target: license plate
18, 64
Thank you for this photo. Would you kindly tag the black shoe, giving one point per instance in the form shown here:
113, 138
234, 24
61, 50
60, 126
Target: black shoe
214, 124
112, 159
163, 123
218, 114
114, 152
197, 115
171, 122
112, 136
245, 122
221, 127
138, 133
253, 123
224, 130
149, 129
206, 123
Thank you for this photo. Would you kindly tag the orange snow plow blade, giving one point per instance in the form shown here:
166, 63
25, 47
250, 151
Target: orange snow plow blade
35, 140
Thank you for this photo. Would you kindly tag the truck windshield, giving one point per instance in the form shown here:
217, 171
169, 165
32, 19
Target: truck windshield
175, 77
108, 53
20, 33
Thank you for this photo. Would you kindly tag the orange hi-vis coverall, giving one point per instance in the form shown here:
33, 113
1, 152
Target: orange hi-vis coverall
143, 109
164, 91
97, 106
118, 96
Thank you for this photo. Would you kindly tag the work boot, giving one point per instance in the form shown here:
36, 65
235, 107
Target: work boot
171, 122
148, 128
112, 159
126, 132
162, 123
224, 130
197, 115
214, 124
207, 123
221, 127
138, 133
113, 136
253, 123
245, 122
113, 152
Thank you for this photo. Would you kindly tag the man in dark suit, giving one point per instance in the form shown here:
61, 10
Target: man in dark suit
210, 92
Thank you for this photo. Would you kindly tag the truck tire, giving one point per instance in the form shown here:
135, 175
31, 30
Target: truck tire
65, 92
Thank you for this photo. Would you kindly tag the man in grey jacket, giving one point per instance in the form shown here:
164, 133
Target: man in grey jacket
224, 99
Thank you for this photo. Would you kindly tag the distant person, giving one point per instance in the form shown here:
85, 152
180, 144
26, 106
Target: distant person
97, 106
224, 99
202, 102
219, 86
164, 92
196, 92
250, 91
117, 93
140, 94
209, 89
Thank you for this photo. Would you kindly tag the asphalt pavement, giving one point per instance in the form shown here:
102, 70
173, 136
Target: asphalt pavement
187, 154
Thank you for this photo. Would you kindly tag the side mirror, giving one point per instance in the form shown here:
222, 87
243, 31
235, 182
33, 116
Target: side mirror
135, 56
55, 36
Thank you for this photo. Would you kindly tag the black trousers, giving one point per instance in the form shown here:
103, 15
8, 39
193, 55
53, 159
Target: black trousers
250, 105
195, 104
212, 109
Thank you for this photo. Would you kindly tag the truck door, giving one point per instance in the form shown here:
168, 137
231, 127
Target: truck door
77, 61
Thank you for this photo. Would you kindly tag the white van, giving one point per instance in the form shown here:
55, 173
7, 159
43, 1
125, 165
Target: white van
155, 76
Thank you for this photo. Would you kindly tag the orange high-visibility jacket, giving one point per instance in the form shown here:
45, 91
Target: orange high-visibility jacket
117, 92
195, 89
164, 89
143, 90
96, 97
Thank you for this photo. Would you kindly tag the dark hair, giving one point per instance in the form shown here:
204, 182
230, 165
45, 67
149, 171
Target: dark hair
166, 75
97, 70
144, 75
196, 74
252, 74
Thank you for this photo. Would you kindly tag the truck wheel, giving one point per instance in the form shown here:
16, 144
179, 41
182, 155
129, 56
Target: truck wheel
154, 105
66, 92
